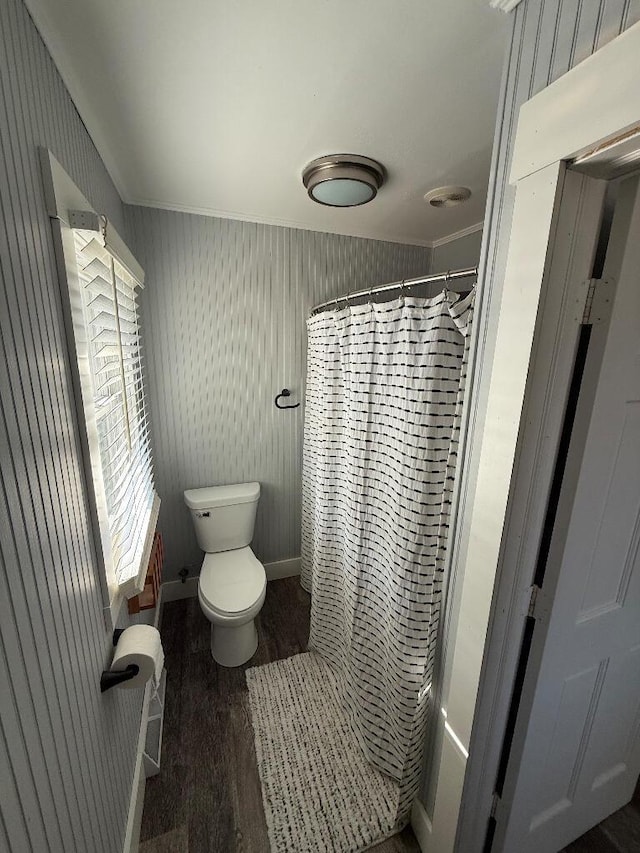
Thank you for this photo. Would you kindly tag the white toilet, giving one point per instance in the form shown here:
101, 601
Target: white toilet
232, 583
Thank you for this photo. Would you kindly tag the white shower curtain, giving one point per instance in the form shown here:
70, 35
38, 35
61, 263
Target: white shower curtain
384, 392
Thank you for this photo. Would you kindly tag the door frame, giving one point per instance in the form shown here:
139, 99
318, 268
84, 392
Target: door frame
528, 388
561, 512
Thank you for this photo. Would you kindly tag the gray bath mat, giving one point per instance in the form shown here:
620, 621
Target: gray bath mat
319, 792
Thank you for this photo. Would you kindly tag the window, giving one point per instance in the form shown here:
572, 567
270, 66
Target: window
109, 358
100, 283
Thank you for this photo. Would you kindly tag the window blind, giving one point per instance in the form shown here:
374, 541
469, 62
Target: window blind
110, 365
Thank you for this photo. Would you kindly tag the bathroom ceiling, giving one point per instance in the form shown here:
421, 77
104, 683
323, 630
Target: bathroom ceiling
215, 107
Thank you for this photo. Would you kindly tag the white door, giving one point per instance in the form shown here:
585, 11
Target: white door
576, 748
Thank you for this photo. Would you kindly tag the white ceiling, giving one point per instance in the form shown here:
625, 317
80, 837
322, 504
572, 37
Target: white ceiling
215, 106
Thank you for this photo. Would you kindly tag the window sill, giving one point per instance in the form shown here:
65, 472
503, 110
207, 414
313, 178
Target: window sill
135, 585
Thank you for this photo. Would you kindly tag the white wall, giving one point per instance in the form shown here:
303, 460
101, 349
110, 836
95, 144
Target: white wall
67, 753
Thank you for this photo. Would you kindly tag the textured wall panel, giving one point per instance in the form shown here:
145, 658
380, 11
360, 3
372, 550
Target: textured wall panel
66, 752
463, 252
224, 314
549, 37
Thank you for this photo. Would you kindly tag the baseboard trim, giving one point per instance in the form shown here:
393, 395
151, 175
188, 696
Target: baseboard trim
175, 590
421, 825
282, 569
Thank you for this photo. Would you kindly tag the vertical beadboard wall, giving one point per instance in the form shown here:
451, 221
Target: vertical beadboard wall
549, 37
456, 254
224, 314
66, 752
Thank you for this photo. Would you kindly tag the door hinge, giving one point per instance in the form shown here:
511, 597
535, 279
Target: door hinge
596, 300
538, 604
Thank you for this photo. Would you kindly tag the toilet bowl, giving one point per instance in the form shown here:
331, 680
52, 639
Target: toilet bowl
232, 583
231, 592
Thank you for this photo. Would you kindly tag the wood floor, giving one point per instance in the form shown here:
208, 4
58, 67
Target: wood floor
207, 797
619, 833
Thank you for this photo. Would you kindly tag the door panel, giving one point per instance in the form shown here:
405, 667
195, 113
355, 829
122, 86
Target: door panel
576, 753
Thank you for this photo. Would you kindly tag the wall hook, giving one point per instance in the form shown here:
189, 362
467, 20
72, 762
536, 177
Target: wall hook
285, 393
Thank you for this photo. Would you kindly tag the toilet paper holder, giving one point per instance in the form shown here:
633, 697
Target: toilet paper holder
110, 679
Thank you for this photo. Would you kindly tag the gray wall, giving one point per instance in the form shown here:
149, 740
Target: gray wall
224, 314
463, 252
549, 37
66, 752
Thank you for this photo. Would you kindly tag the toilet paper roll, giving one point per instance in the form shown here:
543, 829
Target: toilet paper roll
141, 645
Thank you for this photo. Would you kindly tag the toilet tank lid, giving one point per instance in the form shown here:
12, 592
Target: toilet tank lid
211, 496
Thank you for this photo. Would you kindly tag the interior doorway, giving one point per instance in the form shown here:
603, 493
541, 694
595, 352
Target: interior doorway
571, 753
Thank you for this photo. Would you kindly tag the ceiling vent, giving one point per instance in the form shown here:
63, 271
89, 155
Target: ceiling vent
447, 196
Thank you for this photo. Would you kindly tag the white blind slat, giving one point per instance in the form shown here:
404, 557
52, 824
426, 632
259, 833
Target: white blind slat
107, 320
104, 303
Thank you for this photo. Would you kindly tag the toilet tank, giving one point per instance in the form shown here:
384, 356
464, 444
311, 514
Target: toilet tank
223, 516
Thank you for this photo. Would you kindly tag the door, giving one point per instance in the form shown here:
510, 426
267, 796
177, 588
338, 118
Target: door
576, 746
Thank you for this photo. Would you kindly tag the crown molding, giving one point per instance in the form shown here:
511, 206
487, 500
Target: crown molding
281, 223
286, 223
464, 232
505, 5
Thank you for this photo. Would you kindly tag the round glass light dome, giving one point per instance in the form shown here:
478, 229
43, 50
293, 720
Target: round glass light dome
343, 180
342, 192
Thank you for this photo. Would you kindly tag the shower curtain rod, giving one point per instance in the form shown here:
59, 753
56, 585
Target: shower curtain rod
451, 275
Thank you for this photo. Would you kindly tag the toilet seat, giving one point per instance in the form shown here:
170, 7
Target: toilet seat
232, 582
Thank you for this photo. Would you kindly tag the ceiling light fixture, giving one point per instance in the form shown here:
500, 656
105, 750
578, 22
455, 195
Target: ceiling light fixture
343, 180
447, 196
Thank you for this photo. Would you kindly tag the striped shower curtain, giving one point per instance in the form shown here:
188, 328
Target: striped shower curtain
384, 392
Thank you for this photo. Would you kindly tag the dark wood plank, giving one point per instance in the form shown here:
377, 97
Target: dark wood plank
404, 842
207, 797
176, 841
619, 833
622, 829
204, 735
593, 841
245, 789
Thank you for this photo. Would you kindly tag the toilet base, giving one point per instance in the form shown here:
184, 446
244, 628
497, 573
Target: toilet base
234, 646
